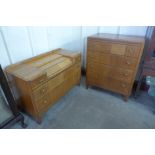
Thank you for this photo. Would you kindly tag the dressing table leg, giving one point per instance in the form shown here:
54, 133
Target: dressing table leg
23, 124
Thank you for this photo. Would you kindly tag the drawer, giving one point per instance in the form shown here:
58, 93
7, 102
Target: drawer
120, 74
123, 62
119, 86
110, 84
118, 49
95, 70
56, 81
39, 81
132, 51
100, 46
69, 72
98, 58
113, 60
39, 92
42, 103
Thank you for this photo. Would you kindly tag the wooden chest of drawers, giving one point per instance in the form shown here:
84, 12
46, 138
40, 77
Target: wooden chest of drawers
42, 80
112, 61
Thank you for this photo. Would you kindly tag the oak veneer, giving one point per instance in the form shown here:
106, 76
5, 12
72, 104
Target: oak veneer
44, 79
112, 61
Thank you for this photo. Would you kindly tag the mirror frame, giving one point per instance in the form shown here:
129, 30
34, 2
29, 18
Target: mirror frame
17, 116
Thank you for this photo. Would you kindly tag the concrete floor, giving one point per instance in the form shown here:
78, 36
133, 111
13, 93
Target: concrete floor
97, 109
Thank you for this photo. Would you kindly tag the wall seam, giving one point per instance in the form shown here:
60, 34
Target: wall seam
118, 30
5, 45
30, 41
98, 29
48, 46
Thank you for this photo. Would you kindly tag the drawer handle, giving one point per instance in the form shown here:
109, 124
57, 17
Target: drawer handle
45, 101
123, 85
43, 90
131, 50
40, 81
128, 62
126, 74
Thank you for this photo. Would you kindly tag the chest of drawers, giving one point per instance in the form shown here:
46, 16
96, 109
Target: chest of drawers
42, 80
112, 61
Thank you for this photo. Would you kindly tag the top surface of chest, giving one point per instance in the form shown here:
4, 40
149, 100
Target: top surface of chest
118, 38
48, 64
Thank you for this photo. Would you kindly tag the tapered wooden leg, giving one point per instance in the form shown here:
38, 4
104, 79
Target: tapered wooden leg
39, 120
23, 124
125, 98
87, 86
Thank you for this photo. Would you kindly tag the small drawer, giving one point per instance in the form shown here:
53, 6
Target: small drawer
132, 51
40, 92
69, 72
42, 103
99, 58
118, 49
37, 82
56, 81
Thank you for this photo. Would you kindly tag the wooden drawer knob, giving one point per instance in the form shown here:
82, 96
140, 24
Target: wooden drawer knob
128, 62
45, 101
43, 90
131, 50
40, 81
123, 85
125, 74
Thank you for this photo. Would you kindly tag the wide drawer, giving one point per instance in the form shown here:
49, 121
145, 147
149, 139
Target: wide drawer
110, 84
100, 70
130, 50
114, 60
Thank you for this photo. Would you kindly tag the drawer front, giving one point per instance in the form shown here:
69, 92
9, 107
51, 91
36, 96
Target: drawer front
119, 86
99, 71
56, 81
40, 92
123, 62
43, 103
69, 72
110, 84
98, 58
100, 46
39, 81
114, 60
118, 49
132, 51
